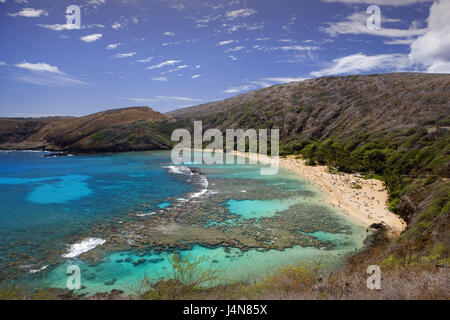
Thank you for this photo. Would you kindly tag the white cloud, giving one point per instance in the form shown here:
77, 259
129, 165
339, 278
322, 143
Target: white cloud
117, 26
29, 13
112, 46
432, 50
2, 63
244, 26
283, 79
40, 67
357, 24
91, 37
223, 43
96, 2
145, 60
239, 89
140, 99
44, 74
177, 6
58, 27
357, 63
158, 98
61, 27
394, 3
124, 55
235, 49
178, 98
399, 41
163, 64
162, 79
196, 76
241, 13
295, 48
169, 33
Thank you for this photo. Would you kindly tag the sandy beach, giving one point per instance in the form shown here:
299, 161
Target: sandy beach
367, 205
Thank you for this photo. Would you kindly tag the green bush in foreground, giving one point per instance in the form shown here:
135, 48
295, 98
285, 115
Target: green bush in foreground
186, 277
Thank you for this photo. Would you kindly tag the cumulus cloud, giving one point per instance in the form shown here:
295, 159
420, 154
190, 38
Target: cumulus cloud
29, 13
357, 63
91, 37
169, 33
432, 50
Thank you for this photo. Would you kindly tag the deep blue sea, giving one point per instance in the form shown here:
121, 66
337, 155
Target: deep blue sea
47, 202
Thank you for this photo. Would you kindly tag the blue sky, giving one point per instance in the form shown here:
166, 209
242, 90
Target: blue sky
168, 54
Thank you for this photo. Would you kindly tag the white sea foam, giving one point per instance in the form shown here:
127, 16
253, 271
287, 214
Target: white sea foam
145, 214
187, 171
204, 184
37, 270
84, 246
179, 170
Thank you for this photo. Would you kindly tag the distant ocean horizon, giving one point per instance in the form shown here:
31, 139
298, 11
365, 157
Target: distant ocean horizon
111, 214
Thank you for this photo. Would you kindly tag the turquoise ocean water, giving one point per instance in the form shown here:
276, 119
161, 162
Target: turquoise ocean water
47, 202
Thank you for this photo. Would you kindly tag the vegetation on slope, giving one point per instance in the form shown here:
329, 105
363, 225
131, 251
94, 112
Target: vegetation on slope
129, 129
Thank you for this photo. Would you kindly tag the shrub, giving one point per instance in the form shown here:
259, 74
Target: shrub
186, 277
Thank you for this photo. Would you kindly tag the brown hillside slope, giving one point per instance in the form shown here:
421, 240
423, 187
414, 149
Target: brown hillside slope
112, 130
319, 108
